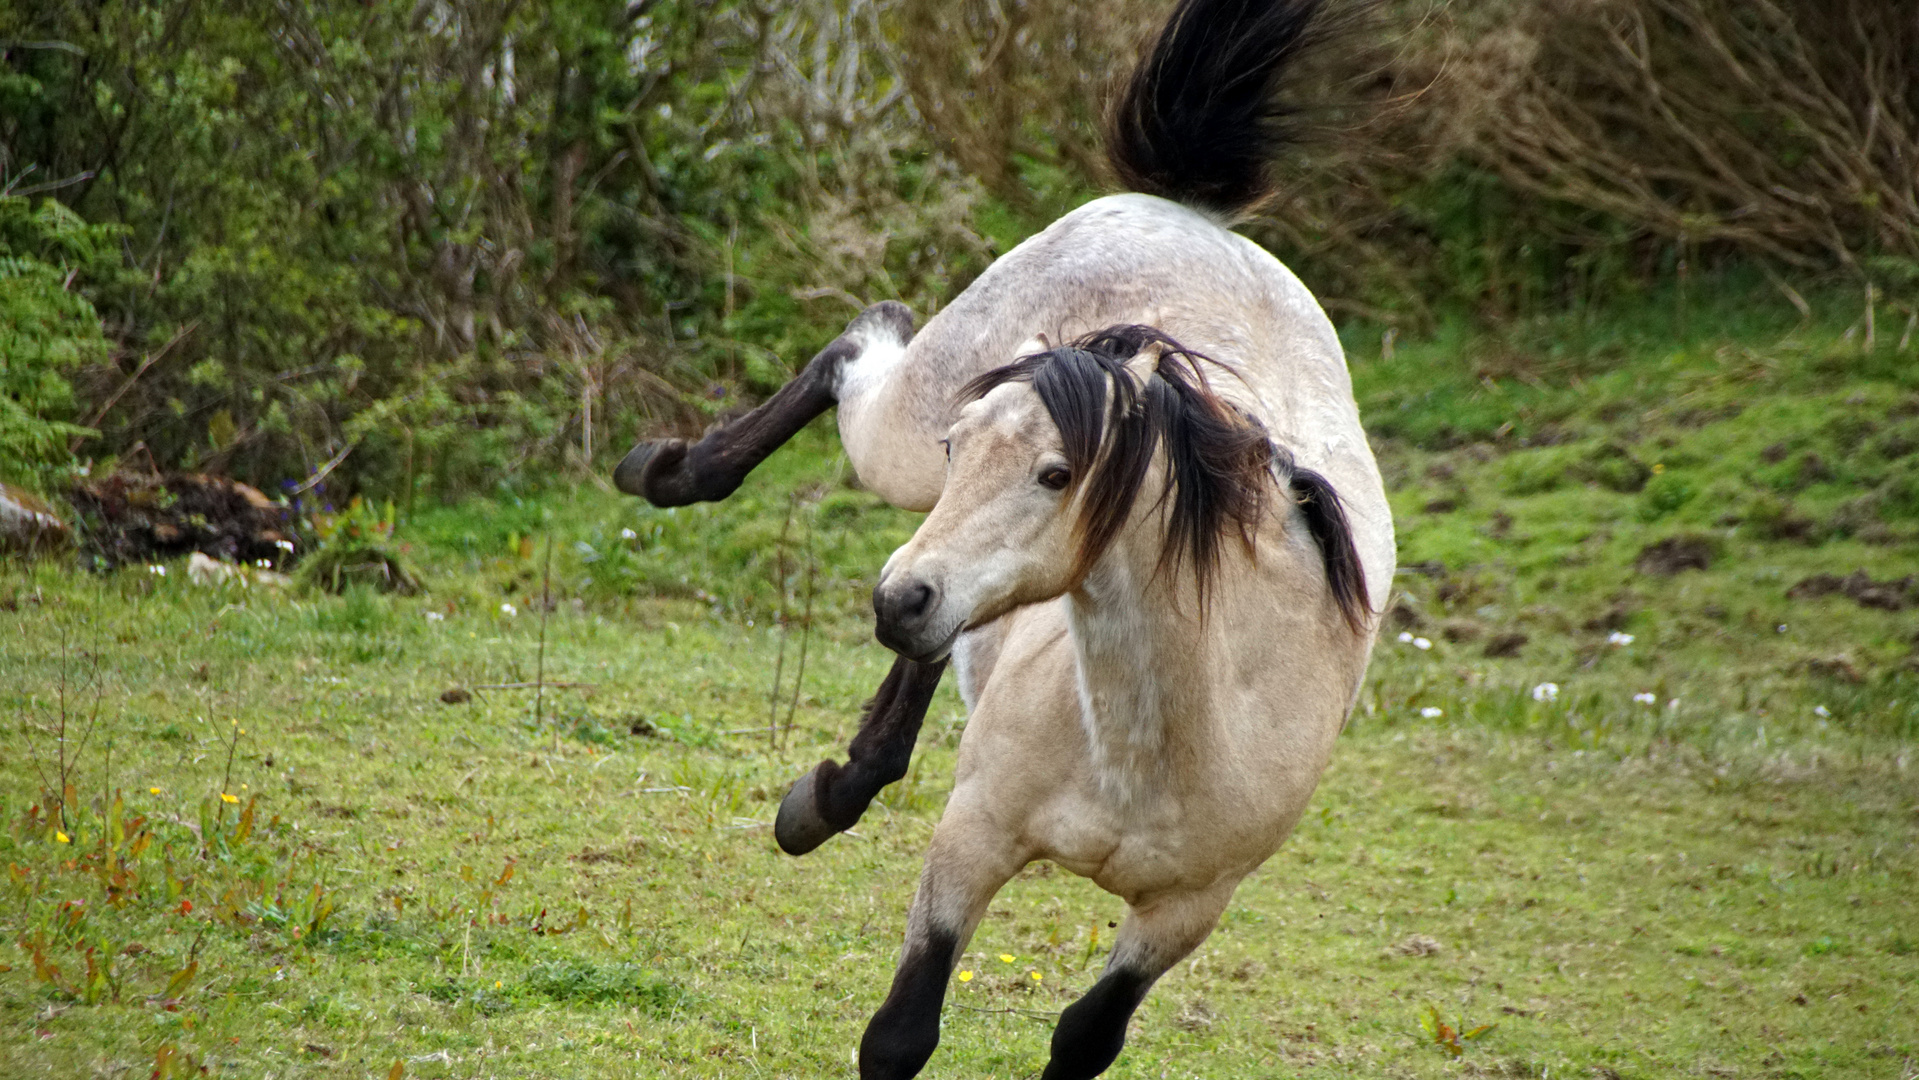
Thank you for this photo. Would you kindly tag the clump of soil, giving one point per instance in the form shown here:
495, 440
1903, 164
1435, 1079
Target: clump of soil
1890, 595
1674, 555
129, 517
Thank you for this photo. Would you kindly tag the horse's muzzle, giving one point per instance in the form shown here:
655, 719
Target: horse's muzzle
904, 610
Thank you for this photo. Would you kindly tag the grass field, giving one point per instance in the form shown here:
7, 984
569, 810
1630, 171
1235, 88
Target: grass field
281, 853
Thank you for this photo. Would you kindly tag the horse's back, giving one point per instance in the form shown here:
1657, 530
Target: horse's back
1126, 259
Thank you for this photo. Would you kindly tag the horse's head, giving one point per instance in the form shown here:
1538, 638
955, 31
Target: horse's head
1045, 463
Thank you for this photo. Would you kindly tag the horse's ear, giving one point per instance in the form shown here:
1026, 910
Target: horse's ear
1326, 520
1038, 343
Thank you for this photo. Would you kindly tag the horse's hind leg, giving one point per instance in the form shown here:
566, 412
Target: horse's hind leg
831, 798
1154, 937
967, 862
672, 472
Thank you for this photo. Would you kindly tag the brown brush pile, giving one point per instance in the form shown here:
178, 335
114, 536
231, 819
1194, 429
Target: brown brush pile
131, 517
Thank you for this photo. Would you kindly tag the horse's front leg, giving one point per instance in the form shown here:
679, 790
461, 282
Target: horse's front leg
967, 862
1154, 937
831, 798
673, 472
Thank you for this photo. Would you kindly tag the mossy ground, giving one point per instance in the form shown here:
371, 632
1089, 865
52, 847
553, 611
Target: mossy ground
1718, 882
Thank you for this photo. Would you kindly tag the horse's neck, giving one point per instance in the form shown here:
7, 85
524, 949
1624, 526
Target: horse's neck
1138, 649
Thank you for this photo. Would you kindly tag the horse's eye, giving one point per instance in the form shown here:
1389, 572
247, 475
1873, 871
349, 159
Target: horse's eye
1056, 477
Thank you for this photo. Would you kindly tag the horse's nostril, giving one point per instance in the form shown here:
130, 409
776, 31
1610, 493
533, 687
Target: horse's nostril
916, 598
904, 604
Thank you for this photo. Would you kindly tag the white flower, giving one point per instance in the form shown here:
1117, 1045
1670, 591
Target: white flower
283, 545
629, 534
264, 564
1618, 640
434, 616
1432, 712
1546, 691
1422, 644
1821, 711
1646, 699
160, 570
1405, 637
509, 610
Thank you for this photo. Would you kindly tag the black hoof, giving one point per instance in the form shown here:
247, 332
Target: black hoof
799, 828
635, 472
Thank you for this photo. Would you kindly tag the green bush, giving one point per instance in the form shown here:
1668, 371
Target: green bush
426, 246
47, 332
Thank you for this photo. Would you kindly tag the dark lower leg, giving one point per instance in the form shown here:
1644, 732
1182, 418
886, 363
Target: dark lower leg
1093, 1029
673, 472
906, 1029
832, 797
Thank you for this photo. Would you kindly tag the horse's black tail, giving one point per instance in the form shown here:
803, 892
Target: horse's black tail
1201, 119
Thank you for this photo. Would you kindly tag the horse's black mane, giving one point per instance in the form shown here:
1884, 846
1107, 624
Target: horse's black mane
1219, 460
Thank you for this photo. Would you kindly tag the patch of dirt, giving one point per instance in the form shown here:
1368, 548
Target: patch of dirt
625, 856
1858, 586
1615, 617
1416, 945
1506, 646
1839, 668
1674, 555
1814, 470
1402, 615
1465, 591
1195, 1015
134, 518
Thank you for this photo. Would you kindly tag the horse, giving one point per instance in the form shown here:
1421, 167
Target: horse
1154, 553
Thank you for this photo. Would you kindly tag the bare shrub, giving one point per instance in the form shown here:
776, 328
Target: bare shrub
1510, 153
884, 218
997, 80
1783, 127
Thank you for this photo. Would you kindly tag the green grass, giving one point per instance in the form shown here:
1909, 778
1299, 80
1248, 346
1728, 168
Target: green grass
1719, 883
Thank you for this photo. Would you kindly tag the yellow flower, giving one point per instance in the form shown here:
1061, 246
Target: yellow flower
153, 791
1036, 975
1005, 958
966, 976
497, 984
1657, 469
60, 836
224, 797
